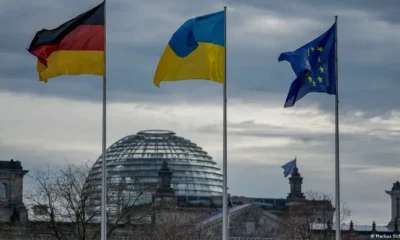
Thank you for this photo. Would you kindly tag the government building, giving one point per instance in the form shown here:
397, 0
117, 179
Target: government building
160, 184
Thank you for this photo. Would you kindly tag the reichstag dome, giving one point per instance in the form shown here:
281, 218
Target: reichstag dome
133, 163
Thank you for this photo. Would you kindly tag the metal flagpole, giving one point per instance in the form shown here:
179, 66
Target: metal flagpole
104, 157
337, 175
225, 176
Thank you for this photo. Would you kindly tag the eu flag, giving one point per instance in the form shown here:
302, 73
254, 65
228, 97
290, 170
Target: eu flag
289, 167
314, 66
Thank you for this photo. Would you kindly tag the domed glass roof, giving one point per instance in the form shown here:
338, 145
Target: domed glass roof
134, 161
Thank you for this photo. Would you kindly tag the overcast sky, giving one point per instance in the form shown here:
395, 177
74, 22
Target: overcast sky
61, 120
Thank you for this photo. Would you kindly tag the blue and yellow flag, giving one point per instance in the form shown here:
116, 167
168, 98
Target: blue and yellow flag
314, 66
195, 51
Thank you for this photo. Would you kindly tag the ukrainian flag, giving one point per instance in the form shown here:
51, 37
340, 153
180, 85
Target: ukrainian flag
195, 51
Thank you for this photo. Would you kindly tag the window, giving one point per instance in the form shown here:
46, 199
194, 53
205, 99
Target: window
3, 191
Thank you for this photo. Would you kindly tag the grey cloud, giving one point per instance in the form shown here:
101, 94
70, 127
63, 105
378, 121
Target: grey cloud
252, 72
387, 10
358, 149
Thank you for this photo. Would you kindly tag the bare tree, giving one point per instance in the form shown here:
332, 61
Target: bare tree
196, 227
173, 223
312, 218
67, 201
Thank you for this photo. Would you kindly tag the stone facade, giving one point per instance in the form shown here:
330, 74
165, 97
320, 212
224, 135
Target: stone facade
395, 203
12, 208
295, 186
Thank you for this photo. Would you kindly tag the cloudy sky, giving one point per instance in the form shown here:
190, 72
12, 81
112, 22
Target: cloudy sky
61, 120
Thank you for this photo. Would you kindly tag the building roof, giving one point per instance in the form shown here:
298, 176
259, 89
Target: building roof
218, 215
277, 203
140, 156
11, 164
135, 160
396, 186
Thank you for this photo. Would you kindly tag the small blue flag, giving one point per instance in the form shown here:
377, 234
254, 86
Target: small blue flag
289, 167
314, 66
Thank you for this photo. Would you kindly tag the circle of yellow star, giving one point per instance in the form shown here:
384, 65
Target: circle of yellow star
319, 79
320, 49
314, 84
321, 69
309, 78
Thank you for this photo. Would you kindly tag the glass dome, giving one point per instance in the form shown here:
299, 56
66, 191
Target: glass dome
133, 162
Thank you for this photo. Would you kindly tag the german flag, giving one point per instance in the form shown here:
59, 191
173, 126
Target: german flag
76, 47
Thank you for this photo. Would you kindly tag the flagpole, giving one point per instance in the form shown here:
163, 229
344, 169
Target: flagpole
337, 168
225, 233
104, 157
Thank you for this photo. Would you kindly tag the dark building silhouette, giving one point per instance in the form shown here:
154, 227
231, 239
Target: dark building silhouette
12, 208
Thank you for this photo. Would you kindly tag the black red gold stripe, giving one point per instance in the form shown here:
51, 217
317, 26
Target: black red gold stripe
76, 47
